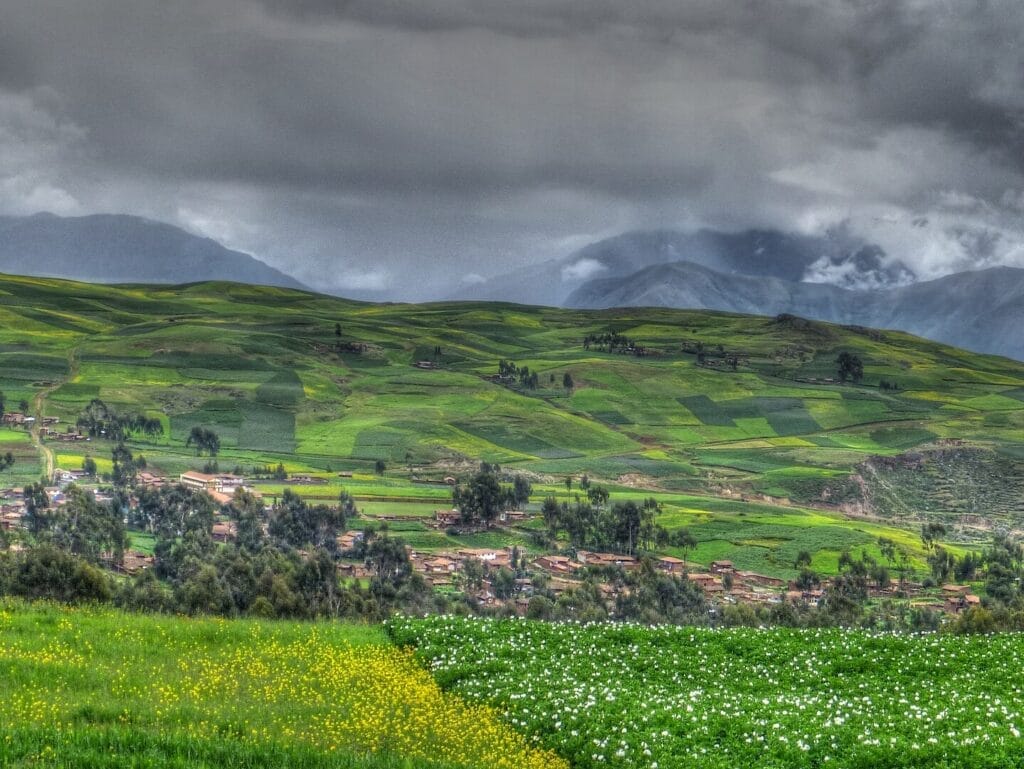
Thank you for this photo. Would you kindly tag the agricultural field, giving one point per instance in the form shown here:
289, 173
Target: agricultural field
84, 688
329, 387
642, 698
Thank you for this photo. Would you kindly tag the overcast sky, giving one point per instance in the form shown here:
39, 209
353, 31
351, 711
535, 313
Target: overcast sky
404, 146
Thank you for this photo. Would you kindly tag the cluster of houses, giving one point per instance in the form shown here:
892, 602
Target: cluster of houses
220, 486
17, 418
47, 427
722, 582
70, 435
444, 519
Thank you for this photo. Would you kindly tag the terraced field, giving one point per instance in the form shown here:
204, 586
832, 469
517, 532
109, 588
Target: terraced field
266, 370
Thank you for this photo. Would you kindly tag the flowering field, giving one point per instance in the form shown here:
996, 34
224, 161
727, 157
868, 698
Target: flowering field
84, 688
627, 696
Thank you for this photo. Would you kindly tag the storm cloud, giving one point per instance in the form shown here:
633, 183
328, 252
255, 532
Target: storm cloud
391, 148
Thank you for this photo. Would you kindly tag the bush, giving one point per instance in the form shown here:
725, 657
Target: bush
50, 573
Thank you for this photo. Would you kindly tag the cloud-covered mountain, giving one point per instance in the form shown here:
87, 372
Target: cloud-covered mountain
837, 258
981, 310
110, 248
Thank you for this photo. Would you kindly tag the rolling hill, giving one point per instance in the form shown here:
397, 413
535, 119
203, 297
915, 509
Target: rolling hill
123, 249
980, 310
724, 415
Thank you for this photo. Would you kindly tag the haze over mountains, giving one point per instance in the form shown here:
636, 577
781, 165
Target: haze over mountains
981, 311
836, 278
837, 258
113, 248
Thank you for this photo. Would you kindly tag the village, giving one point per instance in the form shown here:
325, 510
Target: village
475, 572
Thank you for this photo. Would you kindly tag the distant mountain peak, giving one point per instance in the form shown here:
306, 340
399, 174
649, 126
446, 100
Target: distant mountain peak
838, 257
120, 248
981, 310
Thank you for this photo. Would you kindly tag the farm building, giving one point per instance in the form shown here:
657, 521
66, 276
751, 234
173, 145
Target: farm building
671, 564
350, 539
556, 564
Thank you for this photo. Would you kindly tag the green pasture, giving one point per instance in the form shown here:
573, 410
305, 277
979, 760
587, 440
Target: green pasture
260, 367
97, 689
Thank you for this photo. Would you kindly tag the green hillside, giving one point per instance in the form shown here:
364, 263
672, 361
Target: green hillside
723, 415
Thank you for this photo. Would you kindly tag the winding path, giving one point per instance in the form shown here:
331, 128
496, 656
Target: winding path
37, 409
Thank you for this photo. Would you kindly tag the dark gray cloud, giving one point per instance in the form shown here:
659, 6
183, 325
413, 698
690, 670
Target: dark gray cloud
399, 145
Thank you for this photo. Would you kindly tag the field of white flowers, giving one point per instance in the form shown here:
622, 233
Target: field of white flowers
670, 697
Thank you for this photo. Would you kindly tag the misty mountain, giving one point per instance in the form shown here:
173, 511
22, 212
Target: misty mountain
837, 258
982, 311
110, 248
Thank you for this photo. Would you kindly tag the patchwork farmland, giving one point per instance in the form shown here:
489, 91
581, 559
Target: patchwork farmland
735, 424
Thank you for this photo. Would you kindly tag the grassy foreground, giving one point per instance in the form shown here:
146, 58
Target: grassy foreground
637, 697
95, 688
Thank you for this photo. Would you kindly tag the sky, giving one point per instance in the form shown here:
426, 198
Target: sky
405, 148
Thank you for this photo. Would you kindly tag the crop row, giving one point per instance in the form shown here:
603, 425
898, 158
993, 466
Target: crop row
629, 696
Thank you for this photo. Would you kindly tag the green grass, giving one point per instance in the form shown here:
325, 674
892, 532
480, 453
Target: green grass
256, 365
85, 688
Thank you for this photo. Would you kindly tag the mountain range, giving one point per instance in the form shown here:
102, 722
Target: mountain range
981, 311
838, 258
836, 277
114, 248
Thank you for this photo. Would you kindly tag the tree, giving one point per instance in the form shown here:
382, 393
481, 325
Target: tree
318, 584
504, 582
481, 499
850, 367
298, 524
803, 560
85, 528
473, 574
379, 467
50, 573
598, 495
337, 330
847, 593
931, 532
567, 382
89, 466
203, 440
521, 491
888, 549
247, 511
125, 467
99, 420
684, 539
807, 579
37, 507
628, 523
389, 561
174, 512
6, 461
551, 511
